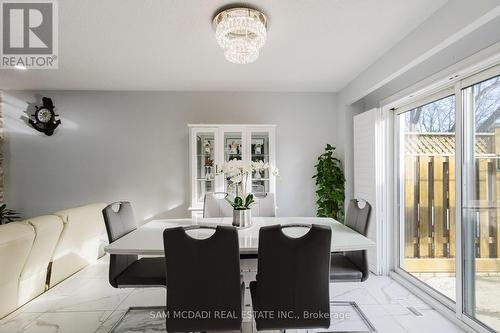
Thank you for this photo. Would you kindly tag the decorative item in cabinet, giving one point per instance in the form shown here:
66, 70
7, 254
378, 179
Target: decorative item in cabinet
208, 147
257, 146
233, 148
260, 153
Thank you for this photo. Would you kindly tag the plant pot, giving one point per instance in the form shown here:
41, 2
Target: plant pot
242, 218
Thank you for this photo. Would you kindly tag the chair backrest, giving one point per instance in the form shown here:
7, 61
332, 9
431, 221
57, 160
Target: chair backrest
358, 219
119, 220
264, 206
293, 275
204, 277
215, 205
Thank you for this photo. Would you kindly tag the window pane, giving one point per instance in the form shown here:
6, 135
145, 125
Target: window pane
481, 201
427, 194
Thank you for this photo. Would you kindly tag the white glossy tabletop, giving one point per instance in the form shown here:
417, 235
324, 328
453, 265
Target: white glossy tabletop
148, 239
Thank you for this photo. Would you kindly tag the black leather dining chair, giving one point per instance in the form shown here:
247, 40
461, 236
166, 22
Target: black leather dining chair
203, 280
292, 279
352, 266
128, 270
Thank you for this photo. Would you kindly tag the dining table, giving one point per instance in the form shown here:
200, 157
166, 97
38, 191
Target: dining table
147, 240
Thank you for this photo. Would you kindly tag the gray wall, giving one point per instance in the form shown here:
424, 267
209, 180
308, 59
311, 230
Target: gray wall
134, 146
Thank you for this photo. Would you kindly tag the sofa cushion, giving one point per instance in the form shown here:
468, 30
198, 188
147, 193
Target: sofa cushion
16, 240
48, 229
79, 242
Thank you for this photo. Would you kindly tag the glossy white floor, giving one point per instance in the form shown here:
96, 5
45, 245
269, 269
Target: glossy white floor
87, 303
487, 294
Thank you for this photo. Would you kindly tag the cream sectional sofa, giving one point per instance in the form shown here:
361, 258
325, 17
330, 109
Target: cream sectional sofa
79, 241
16, 240
47, 230
39, 252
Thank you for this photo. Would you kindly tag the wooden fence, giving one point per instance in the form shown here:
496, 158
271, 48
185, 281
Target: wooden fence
429, 213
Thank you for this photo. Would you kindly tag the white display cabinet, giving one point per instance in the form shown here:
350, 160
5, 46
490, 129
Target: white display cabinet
211, 145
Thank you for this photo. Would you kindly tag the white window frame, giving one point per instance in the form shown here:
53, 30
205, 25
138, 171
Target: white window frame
450, 85
463, 84
444, 92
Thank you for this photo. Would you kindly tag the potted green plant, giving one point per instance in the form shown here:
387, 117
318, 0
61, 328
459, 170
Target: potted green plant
7, 215
237, 174
330, 182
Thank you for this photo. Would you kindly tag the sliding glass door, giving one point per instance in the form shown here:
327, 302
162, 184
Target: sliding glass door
427, 192
448, 196
481, 200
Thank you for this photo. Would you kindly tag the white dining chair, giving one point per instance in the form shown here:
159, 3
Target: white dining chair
265, 205
215, 205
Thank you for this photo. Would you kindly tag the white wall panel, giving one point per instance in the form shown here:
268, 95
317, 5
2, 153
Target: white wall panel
365, 175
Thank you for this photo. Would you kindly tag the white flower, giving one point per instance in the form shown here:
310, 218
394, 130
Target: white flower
260, 166
236, 179
237, 172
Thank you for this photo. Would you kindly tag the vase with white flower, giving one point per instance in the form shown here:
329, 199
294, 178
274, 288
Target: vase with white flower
237, 174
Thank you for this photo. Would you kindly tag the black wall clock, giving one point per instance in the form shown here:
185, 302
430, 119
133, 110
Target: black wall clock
44, 119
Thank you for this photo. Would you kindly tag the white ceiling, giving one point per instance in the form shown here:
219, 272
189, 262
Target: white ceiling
318, 45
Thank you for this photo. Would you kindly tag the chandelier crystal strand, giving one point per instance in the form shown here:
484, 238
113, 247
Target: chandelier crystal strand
241, 32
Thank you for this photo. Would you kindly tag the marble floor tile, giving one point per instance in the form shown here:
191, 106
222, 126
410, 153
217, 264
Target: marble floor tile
69, 286
431, 321
351, 292
388, 291
144, 297
99, 270
62, 322
395, 318
17, 322
140, 318
44, 303
373, 310
387, 324
344, 318
10, 316
86, 302
110, 322
97, 295
49, 300
395, 309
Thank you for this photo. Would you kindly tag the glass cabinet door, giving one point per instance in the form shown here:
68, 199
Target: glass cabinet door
259, 150
212, 145
205, 164
233, 150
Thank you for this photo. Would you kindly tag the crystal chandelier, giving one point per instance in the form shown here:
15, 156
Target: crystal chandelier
241, 32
